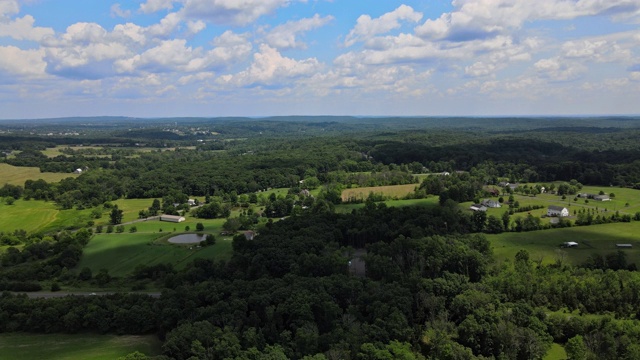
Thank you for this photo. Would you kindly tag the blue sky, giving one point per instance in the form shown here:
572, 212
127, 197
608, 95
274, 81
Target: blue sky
153, 58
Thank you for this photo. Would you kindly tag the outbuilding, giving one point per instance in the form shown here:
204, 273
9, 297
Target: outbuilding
560, 211
172, 218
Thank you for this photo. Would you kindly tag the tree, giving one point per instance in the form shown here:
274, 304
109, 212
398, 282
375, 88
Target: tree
199, 227
576, 349
115, 216
103, 277
85, 274
9, 200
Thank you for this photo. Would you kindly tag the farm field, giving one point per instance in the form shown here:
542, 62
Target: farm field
121, 253
77, 346
556, 352
39, 216
545, 244
17, 175
393, 191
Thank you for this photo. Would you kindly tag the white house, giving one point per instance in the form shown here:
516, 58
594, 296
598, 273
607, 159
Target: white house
77, 171
491, 203
172, 218
557, 211
191, 202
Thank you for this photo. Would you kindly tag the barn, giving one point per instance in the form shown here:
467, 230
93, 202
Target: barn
172, 218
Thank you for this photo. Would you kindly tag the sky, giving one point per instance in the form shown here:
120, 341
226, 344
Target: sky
168, 58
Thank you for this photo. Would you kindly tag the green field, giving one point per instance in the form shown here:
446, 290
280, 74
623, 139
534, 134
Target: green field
545, 244
121, 253
15, 175
391, 191
72, 347
430, 201
39, 216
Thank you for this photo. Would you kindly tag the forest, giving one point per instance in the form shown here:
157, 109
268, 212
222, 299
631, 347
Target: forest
307, 276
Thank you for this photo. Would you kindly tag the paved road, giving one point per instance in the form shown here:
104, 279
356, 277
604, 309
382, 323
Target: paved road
48, 295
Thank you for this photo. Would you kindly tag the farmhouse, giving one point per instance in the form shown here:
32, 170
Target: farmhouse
172, 218
77, 171
554, 210
191, 202
478, 207
491, 203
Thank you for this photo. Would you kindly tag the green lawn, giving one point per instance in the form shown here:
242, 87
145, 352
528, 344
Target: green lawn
121, 253
71, 347
545, 244
39, 216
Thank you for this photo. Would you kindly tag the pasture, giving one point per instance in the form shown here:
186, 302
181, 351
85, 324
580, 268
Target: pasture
121, 253
391, 191
77, 346
544, 245
17, 175
39, 216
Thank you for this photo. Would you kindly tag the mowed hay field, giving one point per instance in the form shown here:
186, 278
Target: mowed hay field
17, 175
545, 244
392, 191
122, 253
77, 346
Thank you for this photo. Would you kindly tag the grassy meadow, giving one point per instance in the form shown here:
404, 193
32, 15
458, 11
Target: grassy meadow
76, 346
15, 175
39, 216
392, 191
545, 244
121, 253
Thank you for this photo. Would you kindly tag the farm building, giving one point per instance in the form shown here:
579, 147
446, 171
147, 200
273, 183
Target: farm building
570, 244
560, 211
491, 203
601, 198
172, 218
624, 246
478, 207
77, 171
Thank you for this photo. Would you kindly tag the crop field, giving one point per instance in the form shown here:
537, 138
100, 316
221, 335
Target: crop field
77, 346
545, 244
39, 216
17, 175
121, 253
392, 191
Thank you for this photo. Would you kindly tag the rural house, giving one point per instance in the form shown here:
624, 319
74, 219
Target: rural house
560, 211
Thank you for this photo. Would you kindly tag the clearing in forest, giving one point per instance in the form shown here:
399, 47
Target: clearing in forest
391, 191
17, 175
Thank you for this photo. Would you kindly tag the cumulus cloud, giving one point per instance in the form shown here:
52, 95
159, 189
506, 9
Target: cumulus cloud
17, 62
117, 11
151, 6
270, 68
557, 69
8, 8
366, 27
478, 19
23, 29
230, 12
285, 36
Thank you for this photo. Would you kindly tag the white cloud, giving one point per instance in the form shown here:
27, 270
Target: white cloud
166, 26
152, 6
117, 11
230, 12
16, 61
477, 19
285, 36
557, 69
366, 27
596, 49
270, 68
8, 8
23, 29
